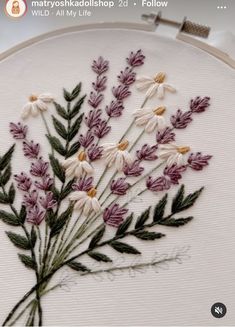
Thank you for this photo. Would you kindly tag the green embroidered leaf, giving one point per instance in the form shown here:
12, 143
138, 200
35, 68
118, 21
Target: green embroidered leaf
97, 237
124, 226
3, 198
11, 194
61, 111
56, 193
6, 158
160, 209
67, 190
75, 128
124, 248
175, 222
78, 266
4, 179
148, 236
56, 144
57, 168
61, 221
99, 256
60, 128
190, 199
73, 149
19, 240
177, 201
71, 96
50, 218
77, 107
27, 261
9, 218
142, 218
23, 214
33, 237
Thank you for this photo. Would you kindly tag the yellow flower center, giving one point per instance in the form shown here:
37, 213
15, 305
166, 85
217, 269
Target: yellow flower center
82, 156
183, 149
160, 77
123, 145
33, 98
159, 110
92, 192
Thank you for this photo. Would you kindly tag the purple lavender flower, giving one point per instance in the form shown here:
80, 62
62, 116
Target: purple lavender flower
31, 149
86, 140
83, 184
100, 66
95, 152
24, 182
199, 104
158, 184
35, 216
197, 161
147, 153
100, 84
181, 120
115, 109
95, 99
121, 92
93, 118
174, 173
18, 131
102, 129
39, 168
45, 184
133, 169
113, 215
30, 199
165, 136
48, 202
127, 77
136, 59
119, 186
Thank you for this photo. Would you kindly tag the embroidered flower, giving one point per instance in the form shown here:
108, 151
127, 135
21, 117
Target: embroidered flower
121, 92
86, 140
115, 109
119, 186
147, 153
18, 131
197, 161
154, 85
83, 184
102, 129
100, 66
151, 119
133, 169
36, 104
173, 154
86, 201
165, 136
127, 77
30, 199
100, 84
93, 118
174, 173
77, 165
158, 184
117, 154
48, 202
114, 215
45, 184
31, 149
39, 168
136, 59
24, 182
181, 120
95, 99
95, 152
35, 216
199, 104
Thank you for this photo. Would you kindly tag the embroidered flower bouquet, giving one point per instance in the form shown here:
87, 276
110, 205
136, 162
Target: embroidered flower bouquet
64, 210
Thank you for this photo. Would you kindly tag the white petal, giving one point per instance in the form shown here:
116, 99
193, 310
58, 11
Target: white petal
80, 203
110, 158
87, 206
172, 159
160, 91
161, 123
119, 161
66, 163
128, 157
34, 109
79, 170
41, 105
169, 146
109, 146
87, 167
152, 90
95, 205
70, 171
26, 111
46, 97
144, 82
169, 88
77, 195
151, 124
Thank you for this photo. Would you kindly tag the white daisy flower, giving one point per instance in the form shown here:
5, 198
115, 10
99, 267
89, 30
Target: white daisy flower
86, 201
117, 155
36, 104
154, 85
77, 165
150, 118
173, 154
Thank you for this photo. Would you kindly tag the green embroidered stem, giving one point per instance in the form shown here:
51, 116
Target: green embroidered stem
47, 129
40, 244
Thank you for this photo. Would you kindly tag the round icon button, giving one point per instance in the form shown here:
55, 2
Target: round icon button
15, 8
218, 310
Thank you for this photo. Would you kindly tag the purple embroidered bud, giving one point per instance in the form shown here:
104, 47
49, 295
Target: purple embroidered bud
35, 216
147, 152
30, 199
86, 140
133, 169
197, 161
158, 184
39, 168
181, 120
119, 186
95, 99
102, 129
165, 136
48, 202
45, 184
24, 182
115, 109
136, 59
100, 66
174, 173
83, 184
18, 131
127, 77
99, 84
114, 215
121, 92
93, 118
31, 149
199, 104
95, 152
